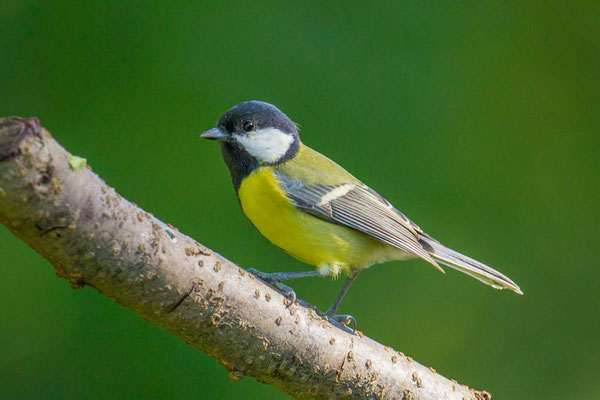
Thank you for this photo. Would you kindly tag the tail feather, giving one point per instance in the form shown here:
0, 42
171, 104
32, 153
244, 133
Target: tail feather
467, 265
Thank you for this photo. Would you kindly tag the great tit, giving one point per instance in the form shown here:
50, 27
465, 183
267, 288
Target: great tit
315, 210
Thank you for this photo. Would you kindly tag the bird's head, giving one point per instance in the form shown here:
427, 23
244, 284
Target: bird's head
257, 132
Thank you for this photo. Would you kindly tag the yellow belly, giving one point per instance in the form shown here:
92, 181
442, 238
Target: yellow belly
307, 238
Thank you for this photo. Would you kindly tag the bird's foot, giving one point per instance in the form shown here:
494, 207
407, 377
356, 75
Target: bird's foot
275, 279
344, 319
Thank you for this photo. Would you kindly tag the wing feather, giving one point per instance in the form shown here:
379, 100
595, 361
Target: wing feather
358, 207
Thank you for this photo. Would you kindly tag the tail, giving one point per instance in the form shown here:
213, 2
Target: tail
467, 265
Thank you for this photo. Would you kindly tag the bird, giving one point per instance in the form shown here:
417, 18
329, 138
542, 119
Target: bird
316, 211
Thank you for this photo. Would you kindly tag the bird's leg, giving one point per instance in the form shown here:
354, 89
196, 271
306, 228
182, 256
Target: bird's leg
276, 278
332, 312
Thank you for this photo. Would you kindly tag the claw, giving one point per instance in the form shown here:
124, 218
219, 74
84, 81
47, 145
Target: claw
291, 295
344, 319
287, 291
274, 280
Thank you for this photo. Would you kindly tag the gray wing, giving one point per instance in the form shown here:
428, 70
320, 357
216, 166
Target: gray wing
360, 208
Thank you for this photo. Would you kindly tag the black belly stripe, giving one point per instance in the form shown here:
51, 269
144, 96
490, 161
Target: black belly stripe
239, 162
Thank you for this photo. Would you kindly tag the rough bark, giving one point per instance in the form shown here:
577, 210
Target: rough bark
93, 237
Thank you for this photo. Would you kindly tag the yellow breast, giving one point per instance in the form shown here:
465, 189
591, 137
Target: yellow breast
302, 235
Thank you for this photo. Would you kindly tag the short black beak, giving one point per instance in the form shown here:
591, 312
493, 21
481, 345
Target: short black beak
215, 134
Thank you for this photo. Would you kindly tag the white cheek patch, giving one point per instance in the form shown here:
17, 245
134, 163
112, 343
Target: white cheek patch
267, 145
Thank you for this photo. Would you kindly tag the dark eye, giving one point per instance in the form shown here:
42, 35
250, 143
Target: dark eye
248, 126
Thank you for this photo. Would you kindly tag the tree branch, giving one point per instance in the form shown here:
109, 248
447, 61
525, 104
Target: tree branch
92, 236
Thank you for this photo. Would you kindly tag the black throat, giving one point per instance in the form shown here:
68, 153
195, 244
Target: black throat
241, 164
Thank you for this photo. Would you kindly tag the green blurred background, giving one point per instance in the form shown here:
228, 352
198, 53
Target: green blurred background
480, 120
